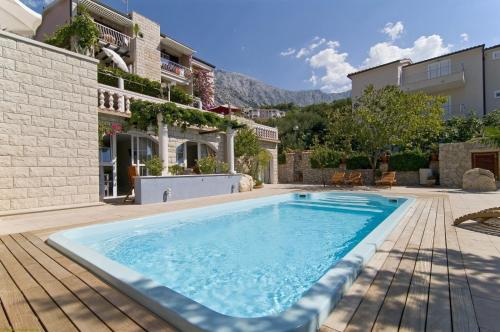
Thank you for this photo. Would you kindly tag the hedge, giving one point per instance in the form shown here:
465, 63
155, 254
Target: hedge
408, 161
133, 82
331, 159
359, 161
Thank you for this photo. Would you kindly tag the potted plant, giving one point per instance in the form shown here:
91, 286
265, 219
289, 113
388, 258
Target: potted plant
434, 152
154, 166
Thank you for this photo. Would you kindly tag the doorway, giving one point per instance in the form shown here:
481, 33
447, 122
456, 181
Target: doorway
486, 160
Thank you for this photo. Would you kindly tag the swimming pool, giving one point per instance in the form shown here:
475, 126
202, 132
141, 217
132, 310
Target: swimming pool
277, 263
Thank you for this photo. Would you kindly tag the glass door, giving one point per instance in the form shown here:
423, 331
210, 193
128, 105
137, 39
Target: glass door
143, 149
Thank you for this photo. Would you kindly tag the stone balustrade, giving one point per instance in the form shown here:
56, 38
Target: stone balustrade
266, 133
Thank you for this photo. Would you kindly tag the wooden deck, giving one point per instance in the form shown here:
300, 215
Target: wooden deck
417, 281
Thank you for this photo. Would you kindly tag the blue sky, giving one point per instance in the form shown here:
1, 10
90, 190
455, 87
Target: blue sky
306, 44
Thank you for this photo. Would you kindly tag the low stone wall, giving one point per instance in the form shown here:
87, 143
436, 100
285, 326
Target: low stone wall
455, 159
408, 178
157, 189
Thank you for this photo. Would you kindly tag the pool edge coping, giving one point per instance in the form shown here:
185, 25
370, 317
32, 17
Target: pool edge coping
305, 315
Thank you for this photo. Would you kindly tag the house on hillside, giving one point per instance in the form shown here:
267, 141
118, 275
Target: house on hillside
468, 78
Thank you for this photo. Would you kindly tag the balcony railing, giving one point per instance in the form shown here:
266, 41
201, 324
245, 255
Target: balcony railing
175, 68
113, 37
266, 133
444, 74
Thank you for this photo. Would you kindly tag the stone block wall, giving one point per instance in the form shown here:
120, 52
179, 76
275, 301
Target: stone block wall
48, 126
146, 49
455, 159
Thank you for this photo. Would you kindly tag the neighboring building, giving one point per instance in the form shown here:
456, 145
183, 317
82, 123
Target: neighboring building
468, 78
262, 113
52, 103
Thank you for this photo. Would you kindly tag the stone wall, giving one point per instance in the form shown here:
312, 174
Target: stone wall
455, 159
146, 48
297, 169
48, 126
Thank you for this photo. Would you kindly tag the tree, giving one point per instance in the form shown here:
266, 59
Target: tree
459, 129
323, 157
382, 118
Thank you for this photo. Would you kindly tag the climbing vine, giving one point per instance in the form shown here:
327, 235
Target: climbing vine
144, 116
81, 35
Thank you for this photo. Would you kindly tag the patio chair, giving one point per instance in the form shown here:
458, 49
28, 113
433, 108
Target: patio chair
387, 179
354, 179
338, 178
132, 173
479, 216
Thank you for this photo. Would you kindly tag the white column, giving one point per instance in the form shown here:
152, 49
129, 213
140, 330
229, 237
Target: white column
163, 140
230, 150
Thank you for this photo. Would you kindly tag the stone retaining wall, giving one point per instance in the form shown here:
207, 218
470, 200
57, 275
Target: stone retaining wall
48, 126
455, 159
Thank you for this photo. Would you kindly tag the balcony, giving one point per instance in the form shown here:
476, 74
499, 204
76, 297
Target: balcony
112, 37
266, 133
433, 81
176, 70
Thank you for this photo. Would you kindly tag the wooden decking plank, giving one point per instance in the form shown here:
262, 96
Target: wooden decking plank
415, 310
52, 317
462, 307
439, 308
4, 322
390, 313
344, 311
77, 312
143, 317
109, 314
17, 309
366, 313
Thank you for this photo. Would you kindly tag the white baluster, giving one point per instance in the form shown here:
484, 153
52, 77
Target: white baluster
121, 103
101, 99
127, 104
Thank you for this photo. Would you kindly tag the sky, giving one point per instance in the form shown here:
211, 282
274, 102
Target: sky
314, 44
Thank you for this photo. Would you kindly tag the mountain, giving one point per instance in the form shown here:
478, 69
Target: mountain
240, 90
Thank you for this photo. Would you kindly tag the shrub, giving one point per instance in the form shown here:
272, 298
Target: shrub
177, 95
207, 165
222, 167
358, 161
133, 82
408, 161
323, 157
154, 166
281, 158
176, 169
492, 119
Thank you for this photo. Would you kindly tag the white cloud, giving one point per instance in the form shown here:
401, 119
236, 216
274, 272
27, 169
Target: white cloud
289, 51
465, 37
336, 68
331, 66
424, 47
394, 30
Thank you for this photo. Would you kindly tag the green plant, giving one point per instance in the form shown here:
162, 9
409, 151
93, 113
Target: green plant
460, 129
132, 82
492, 119
81, 35
103, 129
408, 161
358, 161
222, 167
323, 157
177, 95
137, 29
176, 169
386, 117
144, 114
154, 166
491, 136
207, 165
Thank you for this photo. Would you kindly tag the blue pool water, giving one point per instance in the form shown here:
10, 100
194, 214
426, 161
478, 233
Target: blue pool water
251, 261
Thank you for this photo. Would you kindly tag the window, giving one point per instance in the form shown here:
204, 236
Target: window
497, 94
179, 154
495, 55
438, 69
447, 105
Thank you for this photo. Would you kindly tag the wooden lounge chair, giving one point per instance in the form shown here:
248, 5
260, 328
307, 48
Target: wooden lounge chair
132, 173
354, 179
338, 178
387, 179
479, 216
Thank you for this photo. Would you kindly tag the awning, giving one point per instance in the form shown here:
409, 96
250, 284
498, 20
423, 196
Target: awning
17, 18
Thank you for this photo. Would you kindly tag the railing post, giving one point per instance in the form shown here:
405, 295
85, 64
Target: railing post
101, 98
